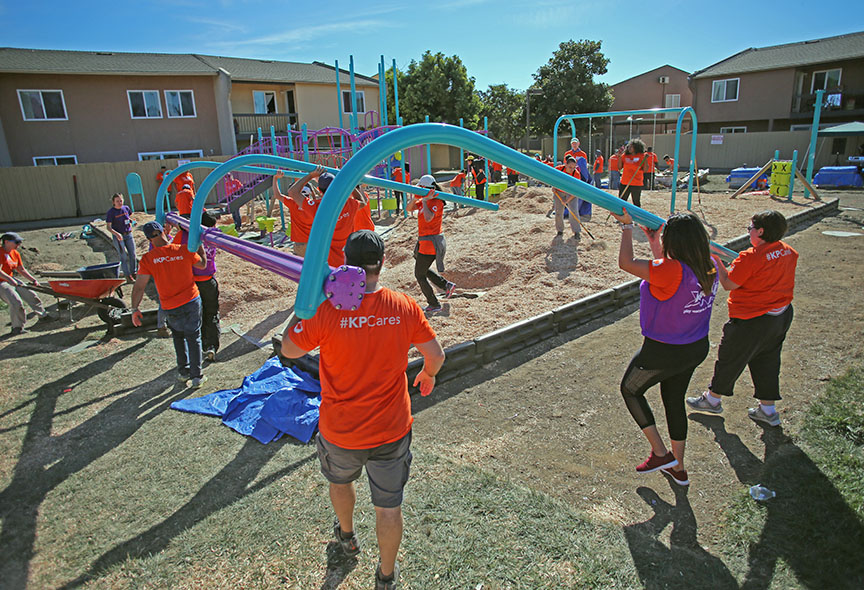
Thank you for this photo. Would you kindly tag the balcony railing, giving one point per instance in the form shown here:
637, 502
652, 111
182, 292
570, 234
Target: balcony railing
836, 100
244, 123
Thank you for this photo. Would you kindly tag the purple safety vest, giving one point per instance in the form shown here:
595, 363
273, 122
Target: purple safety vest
681, 319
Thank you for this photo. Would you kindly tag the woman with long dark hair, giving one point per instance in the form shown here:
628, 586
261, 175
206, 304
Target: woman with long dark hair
676, 296
633, 165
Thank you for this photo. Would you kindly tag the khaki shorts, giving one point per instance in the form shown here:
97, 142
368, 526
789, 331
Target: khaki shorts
387, 467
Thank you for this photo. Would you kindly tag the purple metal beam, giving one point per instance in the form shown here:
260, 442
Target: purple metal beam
343, 288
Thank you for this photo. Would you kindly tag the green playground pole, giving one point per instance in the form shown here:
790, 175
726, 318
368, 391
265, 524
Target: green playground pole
814, 131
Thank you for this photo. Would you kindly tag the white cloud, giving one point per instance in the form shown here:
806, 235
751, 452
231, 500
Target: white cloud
296, 37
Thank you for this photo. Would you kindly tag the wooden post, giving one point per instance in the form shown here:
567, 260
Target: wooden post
807, 185
751, 179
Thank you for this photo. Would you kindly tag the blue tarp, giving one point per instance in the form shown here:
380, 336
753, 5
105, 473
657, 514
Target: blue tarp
739, 176
274, 400
838, 176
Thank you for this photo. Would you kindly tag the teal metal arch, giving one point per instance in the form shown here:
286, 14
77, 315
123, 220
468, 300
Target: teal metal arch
315, 269
681, 112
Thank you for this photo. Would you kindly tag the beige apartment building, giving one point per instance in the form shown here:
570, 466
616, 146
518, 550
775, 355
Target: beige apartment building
76, 107
774, 88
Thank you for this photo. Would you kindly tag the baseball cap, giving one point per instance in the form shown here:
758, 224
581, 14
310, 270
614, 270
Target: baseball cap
569, 158
306, 191
152, 229
185, 186
426, 181
574, 140
598, 151
324, 181
364, 248
12, 237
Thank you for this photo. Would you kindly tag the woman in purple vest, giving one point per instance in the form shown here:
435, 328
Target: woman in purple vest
676, 295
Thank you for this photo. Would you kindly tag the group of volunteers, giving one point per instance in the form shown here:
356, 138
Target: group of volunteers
678, 288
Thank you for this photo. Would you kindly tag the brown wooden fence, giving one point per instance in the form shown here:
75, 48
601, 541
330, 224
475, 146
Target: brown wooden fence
49, 192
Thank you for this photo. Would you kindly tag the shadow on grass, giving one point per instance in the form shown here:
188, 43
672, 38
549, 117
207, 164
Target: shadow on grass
46, 461
261, 330
808, 525
222, 490
46, 341
338, 566
684, 564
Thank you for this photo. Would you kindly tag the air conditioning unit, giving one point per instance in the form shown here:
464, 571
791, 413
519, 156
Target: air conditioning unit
664, 79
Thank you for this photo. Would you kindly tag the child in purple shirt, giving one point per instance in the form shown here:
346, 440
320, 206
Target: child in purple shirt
119, 222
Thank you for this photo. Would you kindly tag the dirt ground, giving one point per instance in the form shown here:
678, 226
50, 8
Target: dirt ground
550, 417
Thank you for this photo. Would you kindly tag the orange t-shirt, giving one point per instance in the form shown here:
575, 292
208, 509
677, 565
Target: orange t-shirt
397, 175
343, 229
766, 279
511, 172
10, 261
183, 201
631, 169
232, 186
652, 159
429, 228
496, 166
364, 354
576, 154
458, 179
171, 269
302, 218
598, 165
671, 164
160, 177
563, 168
185, 178
613, 162
363, 218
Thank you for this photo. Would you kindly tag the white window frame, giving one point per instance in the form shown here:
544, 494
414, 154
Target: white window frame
734, 129
813, 88
40, 91
129, 100
168, 111
725, 80
361, 94
173, 154
672, 106
275, 101
73, 156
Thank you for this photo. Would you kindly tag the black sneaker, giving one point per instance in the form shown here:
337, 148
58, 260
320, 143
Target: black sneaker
389, 583
351, 545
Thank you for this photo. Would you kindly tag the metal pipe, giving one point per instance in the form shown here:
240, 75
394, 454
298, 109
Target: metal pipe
339, 94
814, 131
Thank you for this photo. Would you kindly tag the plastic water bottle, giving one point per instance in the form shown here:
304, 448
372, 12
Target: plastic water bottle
761, 493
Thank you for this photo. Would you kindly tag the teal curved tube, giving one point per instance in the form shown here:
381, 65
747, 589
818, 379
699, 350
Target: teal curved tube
315, 269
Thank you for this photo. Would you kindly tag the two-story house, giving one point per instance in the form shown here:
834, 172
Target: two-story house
774, 88
71, 107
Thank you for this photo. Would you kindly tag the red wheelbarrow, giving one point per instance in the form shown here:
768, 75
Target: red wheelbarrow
98, 293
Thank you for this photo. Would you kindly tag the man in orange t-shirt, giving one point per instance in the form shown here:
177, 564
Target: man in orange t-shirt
185, 178
365, 415
761, 284
512, 177
13, 291
431, 246
184, 199
562, 201
653, 166
575, 151
171, 265
345, 222
598, 167
397, 176
302, 203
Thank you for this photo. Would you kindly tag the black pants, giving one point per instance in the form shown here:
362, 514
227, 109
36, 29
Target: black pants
755, 343
209, 291
512, 179
649, 181
625, 192
423, 273
399, 196
480, 191
670, 365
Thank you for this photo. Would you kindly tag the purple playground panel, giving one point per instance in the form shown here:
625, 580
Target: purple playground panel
343, 288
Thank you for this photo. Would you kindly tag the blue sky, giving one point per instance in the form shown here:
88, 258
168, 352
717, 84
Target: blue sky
498, 40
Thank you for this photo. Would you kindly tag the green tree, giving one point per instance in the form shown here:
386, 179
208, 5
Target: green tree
567, 84
505, 109
437, 86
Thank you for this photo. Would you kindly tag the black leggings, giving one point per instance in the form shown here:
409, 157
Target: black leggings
624, 193
423, 273
670, 365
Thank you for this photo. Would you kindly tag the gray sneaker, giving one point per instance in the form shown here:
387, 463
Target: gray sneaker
351, 545
391, 583
196, 382
701, 404
759, 415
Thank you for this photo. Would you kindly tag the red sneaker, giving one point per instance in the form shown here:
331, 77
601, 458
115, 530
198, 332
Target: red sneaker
679, 477
653, 463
